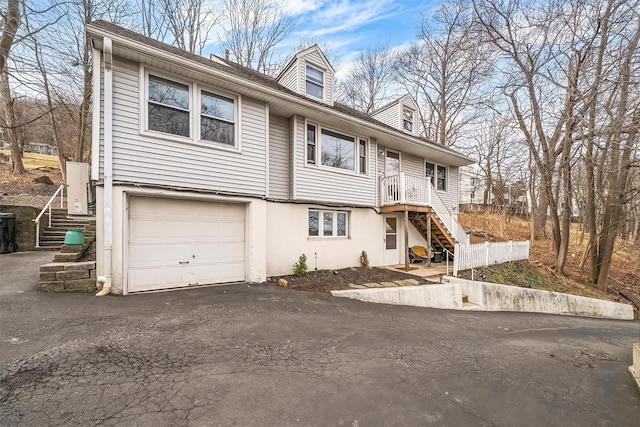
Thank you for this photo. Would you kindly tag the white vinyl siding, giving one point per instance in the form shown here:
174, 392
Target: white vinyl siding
331, 185
166, 162
288, 80
412, 165
450, 198
278, 157
388, 116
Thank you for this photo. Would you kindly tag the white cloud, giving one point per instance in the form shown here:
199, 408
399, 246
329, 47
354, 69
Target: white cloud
346, 16
299, 7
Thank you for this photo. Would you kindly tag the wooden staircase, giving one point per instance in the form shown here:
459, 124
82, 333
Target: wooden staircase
52, 238
429, 223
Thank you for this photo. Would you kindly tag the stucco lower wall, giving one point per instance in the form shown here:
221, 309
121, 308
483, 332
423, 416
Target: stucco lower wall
494, 297
287, 239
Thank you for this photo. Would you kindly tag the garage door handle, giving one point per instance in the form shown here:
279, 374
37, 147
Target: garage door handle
183, 262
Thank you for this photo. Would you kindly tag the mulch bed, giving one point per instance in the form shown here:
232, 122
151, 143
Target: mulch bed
332, 280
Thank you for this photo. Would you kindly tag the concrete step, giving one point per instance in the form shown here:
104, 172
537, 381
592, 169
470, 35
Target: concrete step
48, 248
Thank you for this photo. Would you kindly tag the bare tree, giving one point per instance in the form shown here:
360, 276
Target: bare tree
9, 23
41, 67
366, 85
253, 29
189, 21
443, 72
568, 68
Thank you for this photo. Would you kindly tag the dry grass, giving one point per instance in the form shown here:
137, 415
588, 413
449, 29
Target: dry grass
624, 275
35, 160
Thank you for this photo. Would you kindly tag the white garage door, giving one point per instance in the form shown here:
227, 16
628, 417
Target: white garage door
175, 243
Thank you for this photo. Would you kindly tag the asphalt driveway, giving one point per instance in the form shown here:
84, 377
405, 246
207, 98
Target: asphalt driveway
263, 356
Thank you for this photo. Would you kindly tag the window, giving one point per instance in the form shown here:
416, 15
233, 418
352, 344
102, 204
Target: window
217, 118
442, 178
168, 107
407, 119
333, 223
430, 171
311, 143
315, 82
362, 156
314, 223
337, 151
437, 174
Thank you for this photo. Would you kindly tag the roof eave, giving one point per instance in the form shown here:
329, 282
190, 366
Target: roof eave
94, 31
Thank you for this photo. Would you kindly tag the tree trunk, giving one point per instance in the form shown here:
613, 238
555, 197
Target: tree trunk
11, 23
10, 122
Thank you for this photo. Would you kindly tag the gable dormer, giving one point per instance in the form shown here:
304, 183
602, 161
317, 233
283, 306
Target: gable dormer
401, 114
309, 73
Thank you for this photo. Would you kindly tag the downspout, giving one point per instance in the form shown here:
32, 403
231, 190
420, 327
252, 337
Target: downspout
108, 167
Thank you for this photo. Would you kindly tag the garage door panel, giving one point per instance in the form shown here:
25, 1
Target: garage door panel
153, 278
165, 232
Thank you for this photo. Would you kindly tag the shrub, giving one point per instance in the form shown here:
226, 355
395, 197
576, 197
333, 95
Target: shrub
300, 267
364, 259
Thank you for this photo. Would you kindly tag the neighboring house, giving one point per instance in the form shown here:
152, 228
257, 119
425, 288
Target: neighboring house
40, 148
471, 188
209, 172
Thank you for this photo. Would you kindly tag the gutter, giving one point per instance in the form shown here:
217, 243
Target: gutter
255, 87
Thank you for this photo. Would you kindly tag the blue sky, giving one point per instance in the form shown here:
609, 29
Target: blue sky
350, 26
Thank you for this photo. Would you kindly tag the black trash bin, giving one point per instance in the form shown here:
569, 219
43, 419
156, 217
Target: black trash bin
8, 233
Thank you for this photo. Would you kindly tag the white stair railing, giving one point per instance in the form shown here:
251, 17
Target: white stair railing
60, 191
417, 190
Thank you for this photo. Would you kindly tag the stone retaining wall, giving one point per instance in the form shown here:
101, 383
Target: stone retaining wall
68, 277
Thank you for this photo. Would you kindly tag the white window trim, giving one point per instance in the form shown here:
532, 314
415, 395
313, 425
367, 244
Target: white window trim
384, 162
334, 236
194, 112
413, 119
318, 164
324, 80
144, 106
435, 178
236, 128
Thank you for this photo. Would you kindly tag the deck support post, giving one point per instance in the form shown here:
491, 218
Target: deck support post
406, 240
429, 248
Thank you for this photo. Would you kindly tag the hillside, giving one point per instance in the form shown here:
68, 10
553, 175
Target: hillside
22, 190
624, 277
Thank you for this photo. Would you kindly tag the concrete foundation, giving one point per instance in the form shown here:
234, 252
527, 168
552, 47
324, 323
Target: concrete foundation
492, 297
435, 296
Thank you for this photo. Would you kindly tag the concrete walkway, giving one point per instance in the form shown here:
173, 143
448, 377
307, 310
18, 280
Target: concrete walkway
423, 271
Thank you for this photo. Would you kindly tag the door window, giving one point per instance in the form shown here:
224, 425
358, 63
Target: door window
391, 234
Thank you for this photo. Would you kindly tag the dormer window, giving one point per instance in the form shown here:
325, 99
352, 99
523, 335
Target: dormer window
407, 119
315, 82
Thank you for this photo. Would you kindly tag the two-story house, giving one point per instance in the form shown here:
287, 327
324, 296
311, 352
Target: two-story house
208, 172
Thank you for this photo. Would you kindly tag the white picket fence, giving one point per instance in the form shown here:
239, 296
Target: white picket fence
488, 253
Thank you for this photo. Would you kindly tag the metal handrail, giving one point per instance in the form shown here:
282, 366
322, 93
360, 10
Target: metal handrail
48, 206
447, 252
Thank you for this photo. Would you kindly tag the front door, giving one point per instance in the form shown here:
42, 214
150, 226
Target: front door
391, 240
392, 163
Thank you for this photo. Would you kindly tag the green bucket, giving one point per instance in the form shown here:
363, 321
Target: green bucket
74, 236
